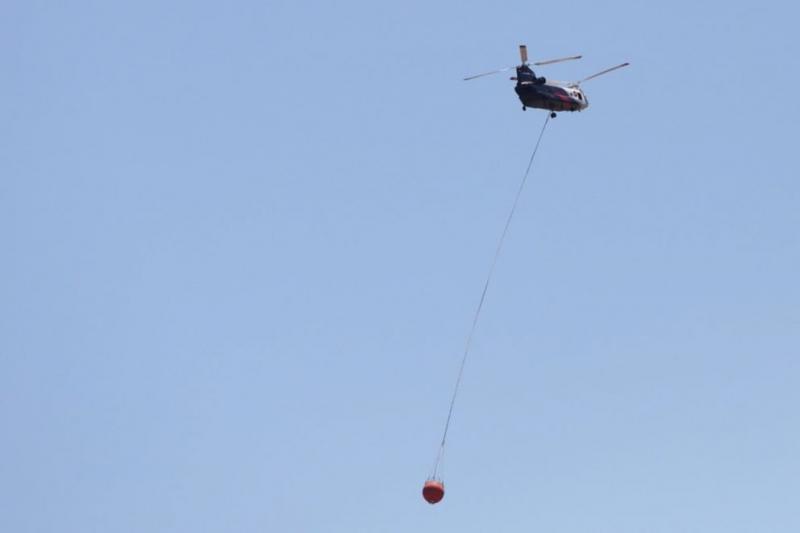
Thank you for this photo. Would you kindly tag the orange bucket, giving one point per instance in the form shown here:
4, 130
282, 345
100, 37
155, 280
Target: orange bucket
433, 491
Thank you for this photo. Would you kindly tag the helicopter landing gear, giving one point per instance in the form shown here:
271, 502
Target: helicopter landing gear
524, 108
553, 114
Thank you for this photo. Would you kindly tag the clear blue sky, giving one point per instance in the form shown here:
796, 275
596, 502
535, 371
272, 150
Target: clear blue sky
242, 243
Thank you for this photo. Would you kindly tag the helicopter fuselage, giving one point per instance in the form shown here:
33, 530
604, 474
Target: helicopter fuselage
540, 94
536, 92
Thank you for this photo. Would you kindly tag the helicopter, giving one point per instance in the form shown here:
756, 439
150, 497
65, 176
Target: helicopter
538, 92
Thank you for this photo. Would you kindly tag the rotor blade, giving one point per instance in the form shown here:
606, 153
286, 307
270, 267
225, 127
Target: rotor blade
488, 73
523, 53
559, 60
606, 71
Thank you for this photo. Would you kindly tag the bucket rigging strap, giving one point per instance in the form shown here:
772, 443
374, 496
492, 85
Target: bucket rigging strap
468, 344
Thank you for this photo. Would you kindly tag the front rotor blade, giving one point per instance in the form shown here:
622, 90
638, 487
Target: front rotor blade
523, 53
606, 71
559, 60
498, 71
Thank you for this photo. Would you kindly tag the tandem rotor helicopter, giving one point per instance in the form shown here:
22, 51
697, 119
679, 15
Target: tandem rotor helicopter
543, 94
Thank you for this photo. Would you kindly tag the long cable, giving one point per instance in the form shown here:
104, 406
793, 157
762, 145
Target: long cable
483, 297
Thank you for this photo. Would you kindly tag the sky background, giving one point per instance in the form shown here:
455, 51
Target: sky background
242, 243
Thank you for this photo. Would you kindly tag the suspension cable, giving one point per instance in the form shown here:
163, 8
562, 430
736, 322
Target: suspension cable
483, 297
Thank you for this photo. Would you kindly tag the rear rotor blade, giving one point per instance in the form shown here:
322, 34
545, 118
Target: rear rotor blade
488, 73
606, 71
559, 60
523, 53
